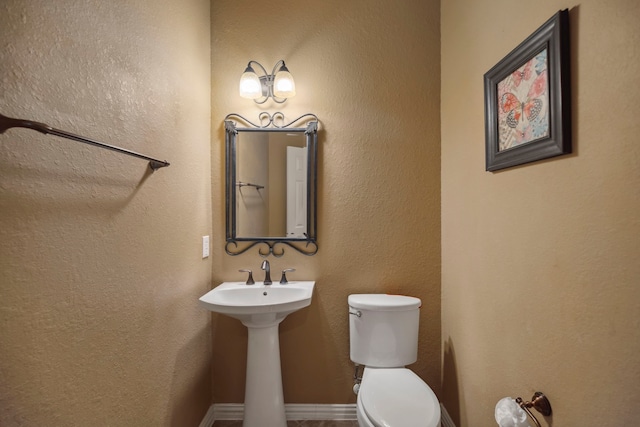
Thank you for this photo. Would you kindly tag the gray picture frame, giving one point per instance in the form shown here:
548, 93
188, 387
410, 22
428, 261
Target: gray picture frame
552, 36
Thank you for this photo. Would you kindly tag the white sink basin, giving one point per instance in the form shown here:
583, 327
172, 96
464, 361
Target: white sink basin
259, 302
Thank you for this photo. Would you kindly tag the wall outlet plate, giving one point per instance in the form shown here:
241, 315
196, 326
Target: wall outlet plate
205, 247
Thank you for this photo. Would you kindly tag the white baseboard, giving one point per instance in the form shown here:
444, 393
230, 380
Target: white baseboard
293, 411
208, 419
333, 412
445, 419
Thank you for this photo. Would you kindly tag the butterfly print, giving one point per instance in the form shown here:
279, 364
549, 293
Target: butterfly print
522, 98
515, 109
520, 76
530, 108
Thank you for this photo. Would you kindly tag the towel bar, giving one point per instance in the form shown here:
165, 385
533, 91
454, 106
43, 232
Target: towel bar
8, 122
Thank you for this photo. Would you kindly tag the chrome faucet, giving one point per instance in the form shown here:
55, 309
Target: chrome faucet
267, 268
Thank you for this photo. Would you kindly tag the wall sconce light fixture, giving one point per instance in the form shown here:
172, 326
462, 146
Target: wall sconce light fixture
277, 85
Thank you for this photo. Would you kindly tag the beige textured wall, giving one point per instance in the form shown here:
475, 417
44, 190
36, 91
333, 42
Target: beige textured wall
100, 263
370, 71
540, 268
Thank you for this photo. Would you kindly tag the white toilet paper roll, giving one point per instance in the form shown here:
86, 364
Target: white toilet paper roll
509, 414
356, 388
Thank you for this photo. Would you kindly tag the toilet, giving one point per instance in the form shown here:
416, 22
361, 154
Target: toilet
383, 332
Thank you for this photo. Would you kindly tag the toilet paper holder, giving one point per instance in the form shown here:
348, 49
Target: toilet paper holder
541, 404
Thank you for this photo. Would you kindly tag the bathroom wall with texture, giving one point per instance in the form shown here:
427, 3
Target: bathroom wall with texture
370, 70
100, 260
540, 267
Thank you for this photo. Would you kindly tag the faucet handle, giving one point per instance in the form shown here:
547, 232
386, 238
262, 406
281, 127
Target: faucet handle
250, 280
283, 279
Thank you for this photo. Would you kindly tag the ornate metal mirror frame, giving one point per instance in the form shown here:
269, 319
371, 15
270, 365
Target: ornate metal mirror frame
237, 244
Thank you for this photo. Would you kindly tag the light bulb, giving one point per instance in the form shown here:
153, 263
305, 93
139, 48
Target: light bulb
283, 84
250, 86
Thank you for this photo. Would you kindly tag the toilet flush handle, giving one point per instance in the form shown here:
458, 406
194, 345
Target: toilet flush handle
357, 313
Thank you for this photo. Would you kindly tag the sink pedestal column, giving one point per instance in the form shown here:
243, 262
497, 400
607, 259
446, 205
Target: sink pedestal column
263, 398
261, 308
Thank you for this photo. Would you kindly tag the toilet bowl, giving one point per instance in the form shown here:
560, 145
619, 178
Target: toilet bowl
396, 397
383, 331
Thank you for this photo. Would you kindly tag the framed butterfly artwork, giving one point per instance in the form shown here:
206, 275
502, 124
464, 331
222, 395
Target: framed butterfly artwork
527, 99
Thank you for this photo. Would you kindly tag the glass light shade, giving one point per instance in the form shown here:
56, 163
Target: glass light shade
250, 86
283, 84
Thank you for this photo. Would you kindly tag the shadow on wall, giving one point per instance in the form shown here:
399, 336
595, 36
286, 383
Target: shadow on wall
91, 188
450, 392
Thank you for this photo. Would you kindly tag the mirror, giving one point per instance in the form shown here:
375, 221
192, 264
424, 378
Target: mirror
271, 184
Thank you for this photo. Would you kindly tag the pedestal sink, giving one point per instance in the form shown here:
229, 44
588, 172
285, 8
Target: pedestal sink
261, 308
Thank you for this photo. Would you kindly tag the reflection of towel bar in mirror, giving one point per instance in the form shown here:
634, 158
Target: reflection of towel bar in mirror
248, 184
8, 123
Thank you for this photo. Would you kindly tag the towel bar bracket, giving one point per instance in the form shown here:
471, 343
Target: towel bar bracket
541, 404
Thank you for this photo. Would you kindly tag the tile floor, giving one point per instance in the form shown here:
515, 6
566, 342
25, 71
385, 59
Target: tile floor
300, 423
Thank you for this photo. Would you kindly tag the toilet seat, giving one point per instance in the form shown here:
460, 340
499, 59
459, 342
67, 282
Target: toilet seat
397, 397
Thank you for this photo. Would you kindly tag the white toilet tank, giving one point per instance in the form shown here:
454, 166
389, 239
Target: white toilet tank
383, 329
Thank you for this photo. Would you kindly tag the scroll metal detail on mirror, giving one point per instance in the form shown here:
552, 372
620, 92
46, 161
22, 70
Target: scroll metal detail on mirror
279, 159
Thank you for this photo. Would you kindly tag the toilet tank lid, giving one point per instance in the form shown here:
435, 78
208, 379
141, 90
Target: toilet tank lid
383, 302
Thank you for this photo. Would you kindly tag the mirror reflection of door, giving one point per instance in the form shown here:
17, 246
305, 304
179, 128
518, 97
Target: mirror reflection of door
296, 192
